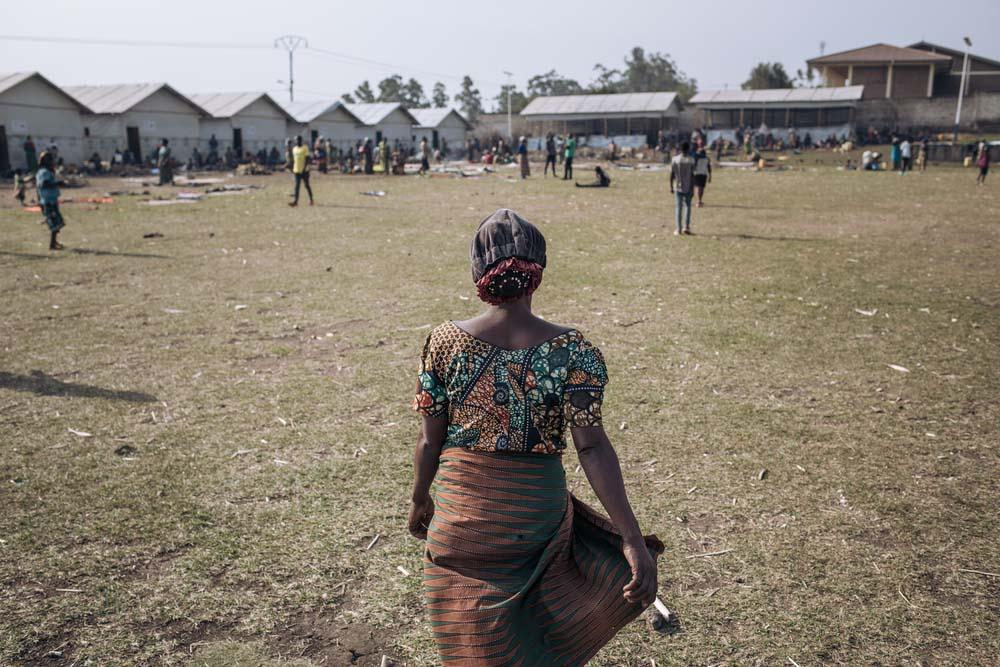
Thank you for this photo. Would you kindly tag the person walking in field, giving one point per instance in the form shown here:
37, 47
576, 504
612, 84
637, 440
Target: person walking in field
383, 156
922, 157
300, 170
522, 156
30, 154
425, 156
47, 184
905, 155
165, 163
681, 186
983, 162
550, 155
702, 172
518, 571
570, 154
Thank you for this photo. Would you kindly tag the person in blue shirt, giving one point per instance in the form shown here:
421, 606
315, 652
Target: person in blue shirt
48, 196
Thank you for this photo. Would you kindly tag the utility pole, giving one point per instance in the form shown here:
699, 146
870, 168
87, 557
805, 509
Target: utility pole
510, 125
961, 87
290, 43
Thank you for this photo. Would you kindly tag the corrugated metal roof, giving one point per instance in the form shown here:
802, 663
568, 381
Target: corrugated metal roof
780, 96
375, 113
600, 104
434, 117
119, 98
954, 53
8, 81
227, 105
880, 53
307, 112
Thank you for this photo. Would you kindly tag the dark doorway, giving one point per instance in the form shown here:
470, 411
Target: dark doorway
314, 134
4, 153
238, 142
378, 137
134, 145
434, 143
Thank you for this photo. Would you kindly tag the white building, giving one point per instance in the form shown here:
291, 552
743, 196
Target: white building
31, 105
444, 128
630, 119
242, 121
136, 117
329, 119
385, 119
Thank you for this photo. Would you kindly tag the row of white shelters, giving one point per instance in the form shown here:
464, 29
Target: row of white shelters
816, 111
31, 105
444, 128
324, 118
242, 121
137, 117
618, 115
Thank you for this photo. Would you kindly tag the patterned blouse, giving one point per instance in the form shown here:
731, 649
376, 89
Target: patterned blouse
517, 401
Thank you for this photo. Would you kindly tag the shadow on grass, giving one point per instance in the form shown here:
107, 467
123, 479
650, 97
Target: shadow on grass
83, 251
46, 385
754, 237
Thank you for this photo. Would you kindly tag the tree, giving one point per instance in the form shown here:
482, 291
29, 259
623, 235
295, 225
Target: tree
768, 75
413, 95
363, 93
439, 98
644, 74
469, 100
552, 83
347, 97
390, 89
518, 100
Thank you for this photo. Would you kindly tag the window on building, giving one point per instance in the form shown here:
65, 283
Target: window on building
838, 116
86, 131
804, 118
753, 117
775, 117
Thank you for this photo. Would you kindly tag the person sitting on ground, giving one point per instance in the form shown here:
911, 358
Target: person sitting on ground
602, 180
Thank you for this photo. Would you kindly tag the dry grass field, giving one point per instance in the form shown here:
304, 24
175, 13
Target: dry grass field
203, 433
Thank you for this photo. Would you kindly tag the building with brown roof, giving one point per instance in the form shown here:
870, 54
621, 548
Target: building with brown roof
983, 77
886, 71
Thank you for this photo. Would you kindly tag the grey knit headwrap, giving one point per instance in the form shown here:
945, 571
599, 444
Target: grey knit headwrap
502, 235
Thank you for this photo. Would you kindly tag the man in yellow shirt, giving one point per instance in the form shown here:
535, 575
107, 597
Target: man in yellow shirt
300, 169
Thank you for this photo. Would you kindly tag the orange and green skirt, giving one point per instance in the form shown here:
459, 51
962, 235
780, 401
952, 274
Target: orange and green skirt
517, 571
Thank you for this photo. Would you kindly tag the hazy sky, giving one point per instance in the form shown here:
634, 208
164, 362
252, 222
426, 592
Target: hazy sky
715, 41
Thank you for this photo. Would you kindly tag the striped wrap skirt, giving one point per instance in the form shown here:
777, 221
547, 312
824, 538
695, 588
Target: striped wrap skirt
518, 572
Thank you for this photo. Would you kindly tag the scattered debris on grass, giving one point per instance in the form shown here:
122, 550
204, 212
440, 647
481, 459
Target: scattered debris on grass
374, 193
896, 367
126, 450
82, 434
153, 235
240, 306
762, 474
710, 553
866, 313
985, 574
403, 571
373, 542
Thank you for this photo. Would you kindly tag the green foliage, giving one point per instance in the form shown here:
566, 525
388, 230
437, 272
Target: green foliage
552, 83
363, 93
644, 73
470, 101
518, 100
439, 96
768, 75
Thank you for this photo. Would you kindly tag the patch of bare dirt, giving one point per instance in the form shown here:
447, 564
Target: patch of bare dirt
329, 641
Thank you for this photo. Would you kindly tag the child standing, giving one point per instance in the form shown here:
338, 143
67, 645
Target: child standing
20, 183
48, 197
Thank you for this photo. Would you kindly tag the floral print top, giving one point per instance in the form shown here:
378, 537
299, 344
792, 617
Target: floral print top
517, 401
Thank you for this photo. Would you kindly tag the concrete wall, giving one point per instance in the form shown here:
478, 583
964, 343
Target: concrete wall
396, 125
910, 80
159, 116
263, 126
339, 127
451, 130
33, 108
979, 111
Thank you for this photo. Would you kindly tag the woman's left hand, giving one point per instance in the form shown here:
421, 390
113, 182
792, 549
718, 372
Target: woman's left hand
421, 513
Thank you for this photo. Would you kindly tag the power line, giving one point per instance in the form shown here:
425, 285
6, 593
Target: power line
390, 66
130, 42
